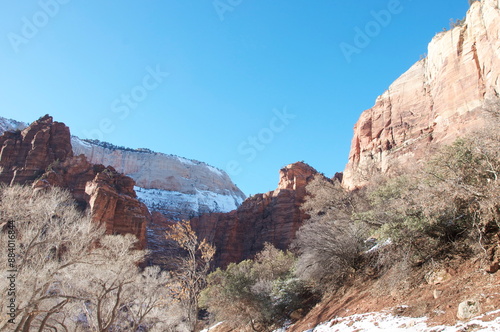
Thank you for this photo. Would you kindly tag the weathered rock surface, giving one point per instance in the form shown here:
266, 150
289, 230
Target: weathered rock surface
172, 187
179, 188
435, 101
468, 309
114, 202
25, 154
273, 217
42, 154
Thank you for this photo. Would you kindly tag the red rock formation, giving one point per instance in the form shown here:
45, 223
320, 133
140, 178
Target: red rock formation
26, 154
273, 217
113, 201
42, 154
435, 101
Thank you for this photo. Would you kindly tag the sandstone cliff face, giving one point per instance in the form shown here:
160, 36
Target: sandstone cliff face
273, 217
26, 154
437, 100
179, 188
42, 154
173, 188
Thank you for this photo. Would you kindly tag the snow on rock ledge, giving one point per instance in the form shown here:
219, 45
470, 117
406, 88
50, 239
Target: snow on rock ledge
175, 186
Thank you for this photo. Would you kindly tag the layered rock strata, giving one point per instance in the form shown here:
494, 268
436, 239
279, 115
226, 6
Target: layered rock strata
437, 100
177, 187
172, 187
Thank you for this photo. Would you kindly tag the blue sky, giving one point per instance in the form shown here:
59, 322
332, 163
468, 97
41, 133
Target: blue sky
246, 86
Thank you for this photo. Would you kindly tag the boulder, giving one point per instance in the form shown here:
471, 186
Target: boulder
468, 309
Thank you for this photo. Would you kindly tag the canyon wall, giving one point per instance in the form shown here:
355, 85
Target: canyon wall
173, 188
272, 217
177, 187
42, 155
437, 100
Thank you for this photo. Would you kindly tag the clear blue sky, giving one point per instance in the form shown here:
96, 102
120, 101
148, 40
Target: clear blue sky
233, 65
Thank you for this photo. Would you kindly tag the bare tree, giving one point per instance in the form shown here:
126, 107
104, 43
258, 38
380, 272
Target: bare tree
69, 276
192, 269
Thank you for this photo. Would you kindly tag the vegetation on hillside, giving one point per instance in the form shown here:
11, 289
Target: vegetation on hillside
446, 207
260, 293
67, 274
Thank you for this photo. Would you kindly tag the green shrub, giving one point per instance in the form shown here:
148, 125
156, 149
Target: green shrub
261, 293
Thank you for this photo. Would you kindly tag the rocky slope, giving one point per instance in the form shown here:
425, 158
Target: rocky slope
435, 101
273, 217
42, 155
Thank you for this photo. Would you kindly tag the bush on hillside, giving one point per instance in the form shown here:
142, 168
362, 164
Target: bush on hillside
259, 293
329, 244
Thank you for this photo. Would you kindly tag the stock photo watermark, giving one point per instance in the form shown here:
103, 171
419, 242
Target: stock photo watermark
364, 36
250, 147
31, 26
223, 6
127, 102
11, 272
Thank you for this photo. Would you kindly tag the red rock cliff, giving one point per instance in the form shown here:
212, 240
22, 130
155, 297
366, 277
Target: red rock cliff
273, 217
25, 154
42, 154
435, 101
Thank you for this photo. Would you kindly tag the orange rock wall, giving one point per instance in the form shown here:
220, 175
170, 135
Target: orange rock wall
437, 100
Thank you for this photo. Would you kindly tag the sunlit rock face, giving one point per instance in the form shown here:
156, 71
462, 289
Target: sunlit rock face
437, 100
41, 155
173, 188
272, 217
177, 187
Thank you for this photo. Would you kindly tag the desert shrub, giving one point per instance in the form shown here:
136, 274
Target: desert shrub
454, 197
260, 293
328, 200
329, 244
329, 251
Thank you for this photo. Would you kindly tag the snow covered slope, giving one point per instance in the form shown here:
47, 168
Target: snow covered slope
11, 125
177, 187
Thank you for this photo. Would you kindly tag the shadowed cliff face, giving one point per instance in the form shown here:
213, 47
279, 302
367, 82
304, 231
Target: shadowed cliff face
435, 101
273, 217
42, 155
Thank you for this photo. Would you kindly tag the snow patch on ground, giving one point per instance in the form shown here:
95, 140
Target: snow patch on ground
380, 321
200, 202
